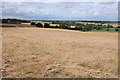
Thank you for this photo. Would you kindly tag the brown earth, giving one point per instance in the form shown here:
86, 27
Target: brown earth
58, 53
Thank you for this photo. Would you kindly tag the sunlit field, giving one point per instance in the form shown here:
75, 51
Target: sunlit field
59, 53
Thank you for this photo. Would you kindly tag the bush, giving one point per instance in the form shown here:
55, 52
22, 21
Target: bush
84, 30
98, 28
79, 27
32, 23
46, 25
109, 26
39, 25
116, 29
63, 26
108, 29
118, 26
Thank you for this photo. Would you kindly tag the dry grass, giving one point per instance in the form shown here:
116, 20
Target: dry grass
54, 25
26, 23
57, 53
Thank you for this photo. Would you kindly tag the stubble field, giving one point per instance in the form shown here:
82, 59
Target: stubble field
58, 53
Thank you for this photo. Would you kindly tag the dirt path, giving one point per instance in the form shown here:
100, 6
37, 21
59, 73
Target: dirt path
56, 53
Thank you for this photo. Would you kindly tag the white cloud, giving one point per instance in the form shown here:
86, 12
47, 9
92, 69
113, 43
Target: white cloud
60, 1
61, 10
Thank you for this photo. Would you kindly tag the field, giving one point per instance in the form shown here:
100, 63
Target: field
105, 24
41, 22
57, 53
105, 30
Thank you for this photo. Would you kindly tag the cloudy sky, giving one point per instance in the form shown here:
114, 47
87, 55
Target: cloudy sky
61, 10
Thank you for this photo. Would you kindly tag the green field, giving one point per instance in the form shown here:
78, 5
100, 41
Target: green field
105, 30
41, 22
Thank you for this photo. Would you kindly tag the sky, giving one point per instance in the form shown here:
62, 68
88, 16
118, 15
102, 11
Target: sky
98, 11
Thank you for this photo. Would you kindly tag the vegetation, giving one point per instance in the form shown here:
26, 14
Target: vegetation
68, 24
63, 26
107, 30
41, 22
33, 23
46, 25
116, 29
82, 27
14, 21
39, 25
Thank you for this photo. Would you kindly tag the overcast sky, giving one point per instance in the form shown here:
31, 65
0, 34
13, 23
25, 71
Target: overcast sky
61, 10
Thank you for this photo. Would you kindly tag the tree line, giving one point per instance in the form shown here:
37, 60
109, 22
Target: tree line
80, 27
65, 25
14, 21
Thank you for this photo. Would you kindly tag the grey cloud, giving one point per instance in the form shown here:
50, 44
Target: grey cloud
61, 10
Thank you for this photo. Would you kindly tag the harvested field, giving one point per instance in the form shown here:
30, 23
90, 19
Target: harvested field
26, 23
58, 53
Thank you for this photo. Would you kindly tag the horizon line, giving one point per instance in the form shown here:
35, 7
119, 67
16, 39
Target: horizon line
58, 19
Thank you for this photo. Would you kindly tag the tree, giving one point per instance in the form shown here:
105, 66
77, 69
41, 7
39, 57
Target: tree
46, 25
84, 29
39, 25
79, 27
14, 21
107, 29
63, 26
99, 28
109, 26
116, 29
33, 23
118, 26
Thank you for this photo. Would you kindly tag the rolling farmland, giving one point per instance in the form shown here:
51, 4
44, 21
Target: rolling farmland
59, 53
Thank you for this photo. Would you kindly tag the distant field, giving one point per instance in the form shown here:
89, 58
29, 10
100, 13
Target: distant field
41, 22
113, 24
59, 53
105, 30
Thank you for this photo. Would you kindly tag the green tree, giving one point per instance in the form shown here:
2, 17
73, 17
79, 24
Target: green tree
116, 29
33, 23
46, 25
39, 25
